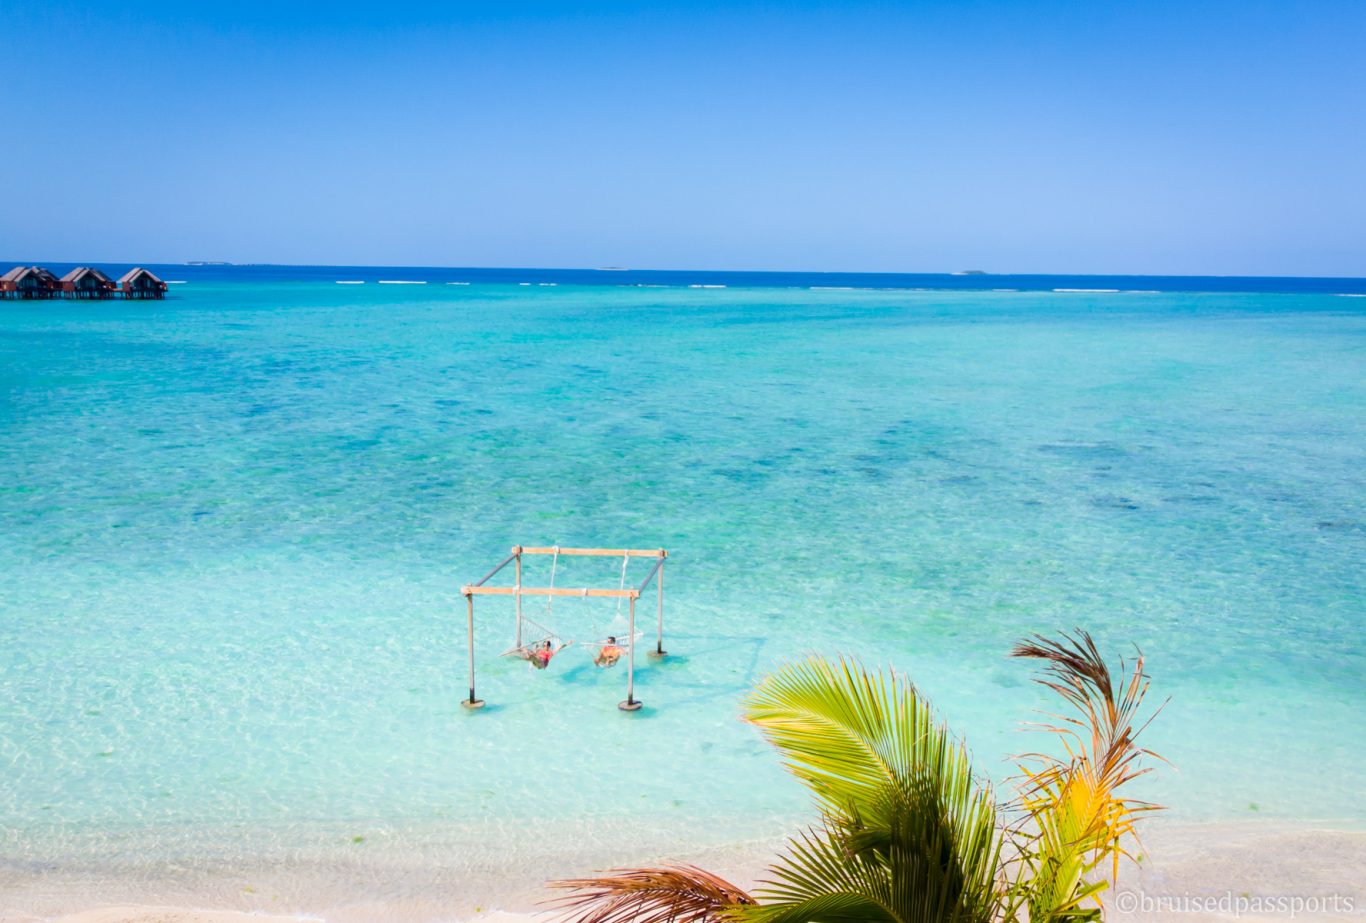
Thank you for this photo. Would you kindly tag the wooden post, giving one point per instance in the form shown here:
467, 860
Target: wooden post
471, 702
631, 703
659, 651
518, 551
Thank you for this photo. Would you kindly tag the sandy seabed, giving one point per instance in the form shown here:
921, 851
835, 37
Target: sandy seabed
1259, 871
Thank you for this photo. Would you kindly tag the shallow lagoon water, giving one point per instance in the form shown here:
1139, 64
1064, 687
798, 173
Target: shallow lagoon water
235, 525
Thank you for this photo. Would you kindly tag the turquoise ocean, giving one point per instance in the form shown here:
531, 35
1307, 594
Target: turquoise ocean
234, 526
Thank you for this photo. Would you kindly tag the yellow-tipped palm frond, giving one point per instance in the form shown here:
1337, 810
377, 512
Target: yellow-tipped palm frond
1082, 818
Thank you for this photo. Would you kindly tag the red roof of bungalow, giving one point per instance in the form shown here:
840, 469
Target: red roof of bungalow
136, 274
80, 272
21, 272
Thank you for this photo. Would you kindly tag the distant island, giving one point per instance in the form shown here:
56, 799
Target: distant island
969, 272
207, 263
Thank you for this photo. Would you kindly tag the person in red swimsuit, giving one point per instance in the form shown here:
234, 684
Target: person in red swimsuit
540, 657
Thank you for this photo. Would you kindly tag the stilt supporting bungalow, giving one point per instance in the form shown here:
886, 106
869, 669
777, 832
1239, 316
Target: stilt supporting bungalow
517, 591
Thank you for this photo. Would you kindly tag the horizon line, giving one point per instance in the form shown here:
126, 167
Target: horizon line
611, 268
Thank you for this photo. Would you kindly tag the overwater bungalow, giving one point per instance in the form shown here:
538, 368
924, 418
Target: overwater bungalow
28, 282
85, 282
139, 283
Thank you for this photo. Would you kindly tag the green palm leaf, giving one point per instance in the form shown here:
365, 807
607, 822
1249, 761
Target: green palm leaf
844, 732
819, 879
908, 828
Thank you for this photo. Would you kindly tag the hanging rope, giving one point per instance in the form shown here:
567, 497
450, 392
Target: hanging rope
550, 598
625, 559
546, 634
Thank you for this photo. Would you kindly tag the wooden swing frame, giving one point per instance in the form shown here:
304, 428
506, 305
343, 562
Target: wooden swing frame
517, 591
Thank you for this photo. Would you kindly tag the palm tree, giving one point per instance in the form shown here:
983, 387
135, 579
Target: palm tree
908, 833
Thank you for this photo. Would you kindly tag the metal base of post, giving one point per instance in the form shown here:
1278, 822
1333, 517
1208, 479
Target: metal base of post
471, 704
630, 705
658, 654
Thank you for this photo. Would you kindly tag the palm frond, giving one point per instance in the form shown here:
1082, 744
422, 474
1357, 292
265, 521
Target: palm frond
898, 793
820, 877
818, 870
844, 731
1081, 816
662, 894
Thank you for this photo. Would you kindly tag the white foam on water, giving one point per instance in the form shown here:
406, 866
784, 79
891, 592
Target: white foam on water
457, 283
402, 282
1097, 291
706, 286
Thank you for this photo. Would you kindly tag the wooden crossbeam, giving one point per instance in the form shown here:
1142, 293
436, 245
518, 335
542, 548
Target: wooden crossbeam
547, 591
597, 552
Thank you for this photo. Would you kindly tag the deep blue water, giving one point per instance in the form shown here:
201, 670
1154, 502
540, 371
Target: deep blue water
631, 277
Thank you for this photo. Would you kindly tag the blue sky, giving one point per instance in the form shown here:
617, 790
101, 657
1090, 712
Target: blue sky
1153, 137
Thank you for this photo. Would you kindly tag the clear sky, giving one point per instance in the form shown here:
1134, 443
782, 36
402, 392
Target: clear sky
1084, 136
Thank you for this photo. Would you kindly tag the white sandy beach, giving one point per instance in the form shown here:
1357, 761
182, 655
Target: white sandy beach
1259, 871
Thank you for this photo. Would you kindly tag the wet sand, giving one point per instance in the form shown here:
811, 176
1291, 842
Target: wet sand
1261, 871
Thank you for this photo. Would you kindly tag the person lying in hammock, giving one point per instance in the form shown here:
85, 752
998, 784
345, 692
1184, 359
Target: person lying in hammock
608, 653
539, 654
